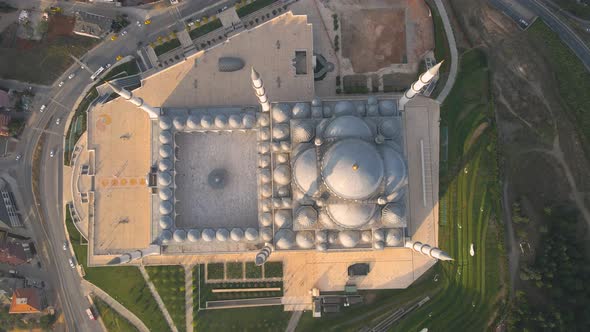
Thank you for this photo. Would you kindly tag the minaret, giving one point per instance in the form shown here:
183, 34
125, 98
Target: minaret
153, 112
260, 92
417, 86
427, 250
263, 254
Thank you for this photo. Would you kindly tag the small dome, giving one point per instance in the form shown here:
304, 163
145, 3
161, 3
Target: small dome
265, 219
166, 207
301, 111
347, 126
361, 110
328, 111
166, 222
393, 237
316, 102
221, 121
387, 107
285, 146
344, 107
264, 134
283, 219
282, 175
372, 110
389, 128
316, 112
306, 217
275, 146
179, 122
281, 112
305, 240
378, 235
206, 121
165, 122
349, 239
321, 236
237, 234
164, 165
305, 172
266, 234
235, 121
222, 234
165, 194
394, 215
266, 190
284, 239
332, 238
280, 131
164, 179
179, 235
194, 235
277, 203
287, 202
165, 137
366, 236
208, 235
248, 121
283, 191
166, 151
251, 234
321, 247
264, 174
282, 158
266, 205
264, 161
303, 132
166, 236
263, 120
378, 245
194, 121
263, 147
372, 100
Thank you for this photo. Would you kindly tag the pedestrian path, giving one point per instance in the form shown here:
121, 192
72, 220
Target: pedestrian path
158, 298
188, 288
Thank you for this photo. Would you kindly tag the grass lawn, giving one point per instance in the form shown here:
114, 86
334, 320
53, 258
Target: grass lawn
441, 48
167, 46
273, 270
266, 319
253, 6
215, 271
205, 29
169, 281
235, 270
113, 321
253, 271
579, 9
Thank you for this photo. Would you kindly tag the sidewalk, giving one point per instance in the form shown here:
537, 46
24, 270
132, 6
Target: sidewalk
188, 288
158, 298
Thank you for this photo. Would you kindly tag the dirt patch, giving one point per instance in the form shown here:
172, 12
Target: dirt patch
60, 25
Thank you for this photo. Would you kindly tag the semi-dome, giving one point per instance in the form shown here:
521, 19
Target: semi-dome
378, 245
353, 169
387, 107
235, 121
349, 239
206, 121
347, 126
179, 235
263, 119
280, 131
395, 169
248, 121
165, 122
166, 236
366, 236
378, 235
344, 107
301, 111
265, 219
264, 174
220, 121
393, 215
194, 235
165, 194
282, 174
164, 179
321, 236
179, 122
266, 234
208, 235
236, 234
266, 190
164, 165
251, 234
321, 247
285, 239
166, 151
283, 219
263, 147
166, 207
305, 240
389, 128
165, 137
166, 222
229, 64
333, 238
264, 161
361, 110
222, 234
305, 172
303, 132
264, 134
306, 217
393, 237
351, 215
281, 112
285, 146
193, 121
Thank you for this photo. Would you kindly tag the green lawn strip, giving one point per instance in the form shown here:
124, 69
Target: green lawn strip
273, 270
215, 271
205, 29
253, 271
253, 6
235, 270
269, 319
170, 284
167, 46
112, 320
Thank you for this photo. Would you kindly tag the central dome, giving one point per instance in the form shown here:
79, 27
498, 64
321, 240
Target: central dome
353, 169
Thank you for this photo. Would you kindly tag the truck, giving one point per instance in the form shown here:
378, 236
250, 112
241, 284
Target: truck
90, 314
96, 73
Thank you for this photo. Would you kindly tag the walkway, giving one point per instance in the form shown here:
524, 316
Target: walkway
158, 298
188, 288
295, 317
118, 307
453, 48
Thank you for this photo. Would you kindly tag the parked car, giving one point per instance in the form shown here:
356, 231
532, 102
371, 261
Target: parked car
71, 261
123, 33
42, 108
57, 121
90, 314
71, 76
18, 157
61, 84
65, 247
190, 24
108, 65
138, 24
52, 153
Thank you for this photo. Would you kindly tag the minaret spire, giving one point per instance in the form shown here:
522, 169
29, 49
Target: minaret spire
258, 86
263, 254
427, 250
417, 86
153, 112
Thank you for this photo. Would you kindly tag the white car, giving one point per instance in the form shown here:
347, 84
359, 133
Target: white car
123, 33
108, 65
18, 157
71, 261
65, 247
57, 121
71, 76
138, 24
190, 24
61, 84
51, 153
42, 108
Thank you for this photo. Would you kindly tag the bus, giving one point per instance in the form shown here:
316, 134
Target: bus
96, 73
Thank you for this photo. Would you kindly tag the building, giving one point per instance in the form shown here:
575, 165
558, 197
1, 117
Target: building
26, 301
13, 252
4, 100
92, 25
4, 122
9, 216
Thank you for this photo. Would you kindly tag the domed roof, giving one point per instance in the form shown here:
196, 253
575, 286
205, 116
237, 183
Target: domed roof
347, 126
235, 121
179, 235
349, 239
165, 194
266, 204
166, 236
266, 234
283, 219
305, 172
332, 237
263, 119
325, 220
285, 146
164, 165
394, 215
222, 234
264, 174
387, 107
266, 190
316, 101
264, 134
165, 137
281, 112
220, 121
395, 169
303, 132
166, 151
344, 107
283, 191
194, 121
166, 207
321, 236
372, 110
237, 234
393, 237
372, 100
248, 121
164, 179
280, 131
263, 161
166, 222
206, 121
265, 219
263, 147
361, 110
366, 236
251, 234
301, 110
282, 158
378, 235
378, 245
165, 122
351, 215
284, 239
352, 169
306, 217
321, 247
327, 111
208, 235
194, 235
305, 240
282, 174
389, 128
179, 122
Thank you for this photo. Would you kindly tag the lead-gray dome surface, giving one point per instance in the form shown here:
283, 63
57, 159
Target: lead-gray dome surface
305, 172
349, 215
347, 126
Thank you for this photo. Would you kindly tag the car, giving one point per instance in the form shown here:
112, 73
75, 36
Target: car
138, 24
71, 76
198, 20
123, 33
65, 246
190, 24
146, 22
90, 314
114, 37
61, 84
42, 108
57, 121
18, 156
52, 153
71, 261
118, 58
108, 65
